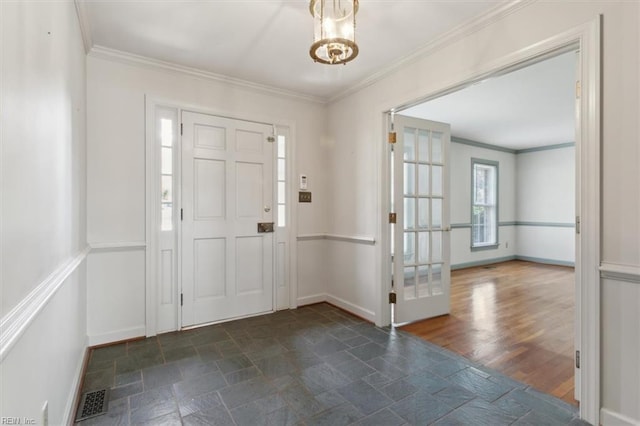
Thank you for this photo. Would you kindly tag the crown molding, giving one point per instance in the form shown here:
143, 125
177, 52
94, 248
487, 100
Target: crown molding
85, 26
465, 29
102, 52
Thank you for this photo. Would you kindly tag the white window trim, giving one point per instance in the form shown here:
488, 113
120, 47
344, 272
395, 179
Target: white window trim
496, 164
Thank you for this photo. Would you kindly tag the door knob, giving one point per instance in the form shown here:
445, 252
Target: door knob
267, 209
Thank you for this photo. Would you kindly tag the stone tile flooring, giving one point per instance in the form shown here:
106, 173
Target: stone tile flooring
316, 365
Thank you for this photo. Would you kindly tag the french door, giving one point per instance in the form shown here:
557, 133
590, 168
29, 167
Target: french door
421, 258
227, 218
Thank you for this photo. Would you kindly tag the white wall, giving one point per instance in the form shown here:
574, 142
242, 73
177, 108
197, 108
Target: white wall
461, 155
116, 92
356, 133
546, 196
43, 209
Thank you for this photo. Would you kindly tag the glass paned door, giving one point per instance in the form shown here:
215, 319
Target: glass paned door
421, 184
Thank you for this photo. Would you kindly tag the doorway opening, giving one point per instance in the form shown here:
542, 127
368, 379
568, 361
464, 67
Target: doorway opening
514, 200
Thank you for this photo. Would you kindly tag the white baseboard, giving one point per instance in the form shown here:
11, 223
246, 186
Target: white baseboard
340, 303
310, 300
117, 336
610, 418
350, 307
74, 394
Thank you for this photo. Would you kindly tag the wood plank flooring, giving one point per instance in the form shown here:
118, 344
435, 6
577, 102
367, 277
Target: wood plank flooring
515, 317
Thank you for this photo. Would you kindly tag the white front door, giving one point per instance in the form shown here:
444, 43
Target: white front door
227, 190
421, 233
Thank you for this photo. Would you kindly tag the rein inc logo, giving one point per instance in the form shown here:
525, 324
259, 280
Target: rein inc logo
17, 421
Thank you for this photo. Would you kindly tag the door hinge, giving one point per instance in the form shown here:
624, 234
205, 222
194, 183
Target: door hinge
577, 359
392, 297
578, 89
181, 299
181, 128
577, 224
392, 137
181, 214
392, 218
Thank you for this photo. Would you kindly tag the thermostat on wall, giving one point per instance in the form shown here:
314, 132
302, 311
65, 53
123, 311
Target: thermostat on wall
303, 182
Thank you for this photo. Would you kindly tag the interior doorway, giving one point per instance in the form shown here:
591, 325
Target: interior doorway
516, 233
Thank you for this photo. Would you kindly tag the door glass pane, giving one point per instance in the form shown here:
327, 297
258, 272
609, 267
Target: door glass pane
436, 147
167, 217
423, 247
423, 213
281, 215
423, 281
410, 213
167, 189
436, 213
423, 179
167, 161
409, 144
409, 179
281, 146
436, 279
409, 248
166, 132
423, 145
281, 169
436, 188
281, 192
436, 247
409, 283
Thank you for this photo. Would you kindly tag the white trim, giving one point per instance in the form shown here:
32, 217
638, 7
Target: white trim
74, 395
467, 28
85, 26
102, 52
350, 307
117, 336
618, 272
310, 300
125, 245
333, 237
611, 418
15, 323
311, 237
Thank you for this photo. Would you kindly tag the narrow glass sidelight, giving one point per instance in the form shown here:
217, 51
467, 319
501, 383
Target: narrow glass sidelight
167, 134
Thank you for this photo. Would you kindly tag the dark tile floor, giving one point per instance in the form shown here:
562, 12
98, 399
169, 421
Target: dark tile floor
316, 365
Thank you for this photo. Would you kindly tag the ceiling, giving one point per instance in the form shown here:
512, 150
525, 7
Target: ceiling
527, 108
266, 42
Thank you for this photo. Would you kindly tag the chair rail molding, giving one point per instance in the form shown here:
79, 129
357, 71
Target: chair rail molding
618, 272
14, 324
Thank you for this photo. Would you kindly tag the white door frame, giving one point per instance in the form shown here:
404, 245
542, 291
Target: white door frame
152, 201
586, 38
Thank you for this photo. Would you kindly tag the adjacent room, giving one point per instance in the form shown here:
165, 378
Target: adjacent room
512, 223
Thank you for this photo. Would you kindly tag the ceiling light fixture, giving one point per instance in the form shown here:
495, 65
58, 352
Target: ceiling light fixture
334, 31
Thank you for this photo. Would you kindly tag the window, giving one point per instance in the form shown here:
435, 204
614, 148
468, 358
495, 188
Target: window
484, 204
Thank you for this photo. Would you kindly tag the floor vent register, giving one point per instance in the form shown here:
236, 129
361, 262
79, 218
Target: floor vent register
93, 404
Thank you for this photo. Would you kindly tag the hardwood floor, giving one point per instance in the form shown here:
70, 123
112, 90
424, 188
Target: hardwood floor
515, 317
